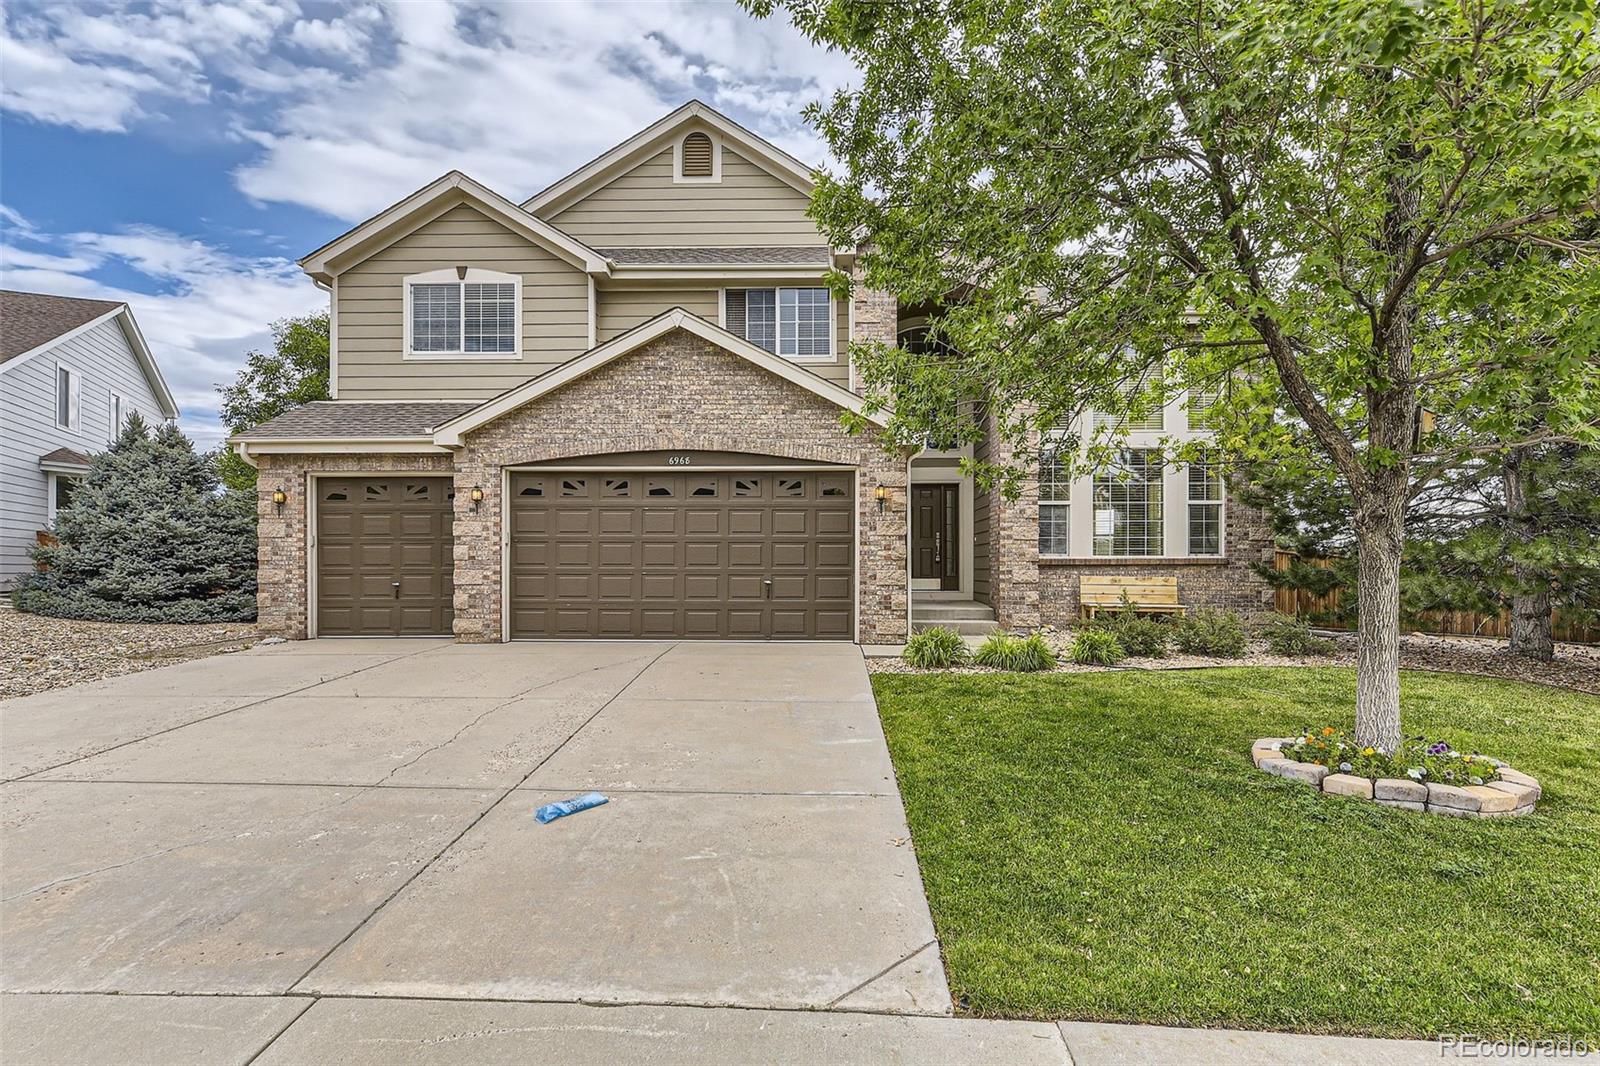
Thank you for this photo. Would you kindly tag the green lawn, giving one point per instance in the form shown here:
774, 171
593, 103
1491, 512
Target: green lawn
1098, 846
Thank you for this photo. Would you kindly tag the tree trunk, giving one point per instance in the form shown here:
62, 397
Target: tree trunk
1530, 599
1380, 545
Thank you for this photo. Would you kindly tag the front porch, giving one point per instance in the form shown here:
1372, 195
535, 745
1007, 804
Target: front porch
949, 556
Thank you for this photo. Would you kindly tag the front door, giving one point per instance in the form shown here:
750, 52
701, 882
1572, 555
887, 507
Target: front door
935, 510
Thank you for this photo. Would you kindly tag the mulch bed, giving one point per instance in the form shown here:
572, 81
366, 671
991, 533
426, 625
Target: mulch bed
1576, 666
44, 653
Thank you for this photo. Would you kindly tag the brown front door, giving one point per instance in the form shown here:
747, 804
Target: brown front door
935, 511
384, 556
767, 554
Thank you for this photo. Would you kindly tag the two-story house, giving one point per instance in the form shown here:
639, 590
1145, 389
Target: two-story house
71, 372
613, 411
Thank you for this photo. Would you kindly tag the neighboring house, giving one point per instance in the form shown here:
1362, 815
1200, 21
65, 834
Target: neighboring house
71, 372
613, 410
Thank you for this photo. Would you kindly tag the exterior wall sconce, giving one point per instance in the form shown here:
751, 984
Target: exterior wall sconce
880, 494
476, 496
279, 498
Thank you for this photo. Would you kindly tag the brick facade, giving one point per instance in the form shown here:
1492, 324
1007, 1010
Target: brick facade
1014, 578
874, 318
1230, 582
676, 392
281, 596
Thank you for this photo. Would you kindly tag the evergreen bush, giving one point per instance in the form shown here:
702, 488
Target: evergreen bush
1211, 632
148, 536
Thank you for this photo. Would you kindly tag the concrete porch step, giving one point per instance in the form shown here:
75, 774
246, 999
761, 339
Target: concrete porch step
967, 627
950, 611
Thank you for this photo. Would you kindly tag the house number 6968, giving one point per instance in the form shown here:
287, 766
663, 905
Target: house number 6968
677, 460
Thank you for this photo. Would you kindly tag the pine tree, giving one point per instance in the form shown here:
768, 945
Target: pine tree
148, 536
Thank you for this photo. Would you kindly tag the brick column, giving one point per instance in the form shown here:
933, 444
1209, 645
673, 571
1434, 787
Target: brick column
875, 317
1013, 544
885, 563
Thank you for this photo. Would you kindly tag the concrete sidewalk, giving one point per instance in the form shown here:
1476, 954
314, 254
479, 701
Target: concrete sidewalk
292, 1030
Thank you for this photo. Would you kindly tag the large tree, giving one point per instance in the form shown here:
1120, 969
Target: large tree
294, 372
1283, 194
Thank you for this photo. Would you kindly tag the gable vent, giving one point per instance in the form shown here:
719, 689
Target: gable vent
697, 156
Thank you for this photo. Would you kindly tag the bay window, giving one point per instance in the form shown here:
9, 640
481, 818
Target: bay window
460, 313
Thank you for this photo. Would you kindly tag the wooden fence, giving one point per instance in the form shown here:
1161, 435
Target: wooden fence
1453, 623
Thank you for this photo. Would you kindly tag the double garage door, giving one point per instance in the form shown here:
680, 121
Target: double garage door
765, 554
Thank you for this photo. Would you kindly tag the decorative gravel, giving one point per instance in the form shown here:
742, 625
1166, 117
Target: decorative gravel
39, 653
1576, 666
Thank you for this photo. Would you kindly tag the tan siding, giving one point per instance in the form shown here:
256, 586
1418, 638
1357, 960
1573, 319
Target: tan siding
621, 309
644, 208
555, 312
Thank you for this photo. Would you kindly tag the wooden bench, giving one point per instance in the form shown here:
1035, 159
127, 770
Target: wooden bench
1148, 595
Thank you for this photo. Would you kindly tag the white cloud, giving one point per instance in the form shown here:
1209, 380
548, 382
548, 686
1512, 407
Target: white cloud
213, 306
351, 112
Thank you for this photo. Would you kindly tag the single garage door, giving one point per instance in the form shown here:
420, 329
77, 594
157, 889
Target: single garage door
763, 555
384, 558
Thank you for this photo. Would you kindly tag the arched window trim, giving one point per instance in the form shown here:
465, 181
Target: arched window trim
715, 178
454, 275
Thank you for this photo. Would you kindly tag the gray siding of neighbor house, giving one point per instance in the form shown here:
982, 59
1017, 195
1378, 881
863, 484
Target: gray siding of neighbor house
105, 364
644, 208
620, 309
371, 312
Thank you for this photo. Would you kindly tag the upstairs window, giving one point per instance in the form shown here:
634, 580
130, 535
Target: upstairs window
463, 313
795, 323
68, 388
1205, 508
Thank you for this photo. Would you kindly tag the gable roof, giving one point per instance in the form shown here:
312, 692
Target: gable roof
35, 322
449, 189
449, 433
656, 136
763, 255
29, 320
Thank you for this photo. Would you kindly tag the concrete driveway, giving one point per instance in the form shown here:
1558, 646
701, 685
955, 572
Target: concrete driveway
354, 819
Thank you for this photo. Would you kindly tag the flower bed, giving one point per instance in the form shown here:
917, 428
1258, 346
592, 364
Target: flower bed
1421, 776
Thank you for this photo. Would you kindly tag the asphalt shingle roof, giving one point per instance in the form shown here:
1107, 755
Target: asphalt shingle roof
29, 319
332, 419
763, 255
63, 456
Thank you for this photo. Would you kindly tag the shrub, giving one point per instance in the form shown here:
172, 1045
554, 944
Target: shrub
1418, 758
1144, 637
1096, 647
148, 537
1287, 635
935, 648
1211, 632
1006, 652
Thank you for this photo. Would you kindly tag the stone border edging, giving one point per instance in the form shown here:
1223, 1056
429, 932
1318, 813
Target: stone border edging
1515, 794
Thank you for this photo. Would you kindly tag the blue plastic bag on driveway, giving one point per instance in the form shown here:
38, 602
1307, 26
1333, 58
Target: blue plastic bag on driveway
561, 808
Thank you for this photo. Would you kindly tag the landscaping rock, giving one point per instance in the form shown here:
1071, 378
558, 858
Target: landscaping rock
1304, 772
1492, 800
1517, 777
1400, 791
1449, 799
1265, 750
1347, 785
1525, 795
1405, 805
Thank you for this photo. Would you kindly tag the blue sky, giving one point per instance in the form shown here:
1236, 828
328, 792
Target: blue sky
181, 156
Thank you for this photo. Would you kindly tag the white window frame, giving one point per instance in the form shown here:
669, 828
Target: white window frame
453, 276
678, 177
777, 310
74, 423
1160, 481
1055, 502
116, 412
51, 478
1220, 503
